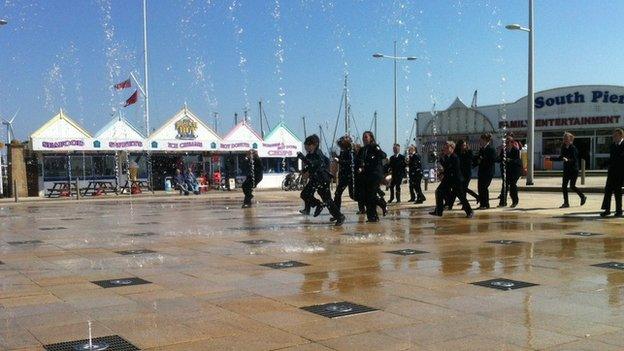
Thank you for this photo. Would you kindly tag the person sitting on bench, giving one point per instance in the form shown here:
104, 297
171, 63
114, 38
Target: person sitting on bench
179, 183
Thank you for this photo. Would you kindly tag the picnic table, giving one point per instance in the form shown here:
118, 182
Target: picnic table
142, 184
96, 187
64, 188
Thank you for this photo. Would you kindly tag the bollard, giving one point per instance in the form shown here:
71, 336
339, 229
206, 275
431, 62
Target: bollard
15, 190
77, 189
426, 183
582, 171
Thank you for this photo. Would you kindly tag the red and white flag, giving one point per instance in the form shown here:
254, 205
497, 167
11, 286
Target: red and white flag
132, 99
123, 85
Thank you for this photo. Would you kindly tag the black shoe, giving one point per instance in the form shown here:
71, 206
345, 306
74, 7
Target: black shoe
483, 208
565, 205
384, 210
373, 220
502, 204
246, 205
318, 210
435, 213
305, 212
605, 214
340, 220
411, 199
618, 214
470, 214
332, 219
514, 205
390, 201
583, 200
398, 200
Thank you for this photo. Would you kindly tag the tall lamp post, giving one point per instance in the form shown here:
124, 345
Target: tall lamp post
2, 23
530, 96
395, 58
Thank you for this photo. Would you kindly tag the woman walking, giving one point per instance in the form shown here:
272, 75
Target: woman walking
569, 156
486, 161
510, 157
371, 172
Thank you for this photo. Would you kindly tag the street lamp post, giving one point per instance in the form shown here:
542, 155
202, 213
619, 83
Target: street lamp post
395, 58
530, 96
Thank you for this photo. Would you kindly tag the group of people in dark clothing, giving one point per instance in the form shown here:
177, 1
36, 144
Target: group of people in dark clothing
362, 169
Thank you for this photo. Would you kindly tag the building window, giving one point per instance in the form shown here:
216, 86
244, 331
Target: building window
55, 167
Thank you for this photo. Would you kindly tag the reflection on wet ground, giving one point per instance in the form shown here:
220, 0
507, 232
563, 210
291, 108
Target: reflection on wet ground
204, 274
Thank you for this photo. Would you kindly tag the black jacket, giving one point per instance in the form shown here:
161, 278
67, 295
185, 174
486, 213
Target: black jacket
486, 160
465, 163
346, 164
513, 167
451, 172
616, 163
370, 161
256, 171
396, 166
415, 166
571, 153
316, 164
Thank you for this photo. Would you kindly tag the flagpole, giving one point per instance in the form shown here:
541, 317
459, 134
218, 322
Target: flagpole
145, 93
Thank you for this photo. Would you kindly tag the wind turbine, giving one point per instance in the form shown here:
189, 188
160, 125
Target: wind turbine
9, 126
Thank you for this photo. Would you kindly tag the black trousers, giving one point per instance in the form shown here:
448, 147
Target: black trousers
415, 188
448, 190
372, 198
465, 184
613, 188
248, 186
343, 183
570, 178
483, 187
510, 186
322, 188
395, 187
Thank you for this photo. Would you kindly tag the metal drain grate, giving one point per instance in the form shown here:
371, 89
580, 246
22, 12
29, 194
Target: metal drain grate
611, 265
25, 242
146, 223
407, 252
135, 252
584, 234
52, 228
285, 264
504, 284
504, 242
338, 309
114, 343
142, 234
116, 283
256, 242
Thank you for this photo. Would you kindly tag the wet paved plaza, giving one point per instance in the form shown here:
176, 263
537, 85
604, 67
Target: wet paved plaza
199, 273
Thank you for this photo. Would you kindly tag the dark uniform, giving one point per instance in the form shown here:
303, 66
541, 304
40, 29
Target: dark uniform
316, 165
415, 178
253, 176
396, 166
371, 174
513, 170
465, 167
346, 164
570, 171
615, 179
486, 160
451, 185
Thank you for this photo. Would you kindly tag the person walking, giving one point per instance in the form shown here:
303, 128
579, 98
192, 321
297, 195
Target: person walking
253, 176
510, 155
451, 184
570, 157
316, 165
486, 161
346, 167
463, 152
615, 175
396, 165
371, 172
414, 164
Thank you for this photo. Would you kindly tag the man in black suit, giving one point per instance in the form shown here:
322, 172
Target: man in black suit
486, 160
615, 175
396, 166
415, 176
451, 183
569, 156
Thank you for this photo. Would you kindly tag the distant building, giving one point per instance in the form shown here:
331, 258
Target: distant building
590, 112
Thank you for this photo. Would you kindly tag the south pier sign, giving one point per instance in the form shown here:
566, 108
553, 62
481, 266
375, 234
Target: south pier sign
596, 96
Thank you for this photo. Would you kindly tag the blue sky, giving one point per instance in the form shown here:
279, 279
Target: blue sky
224, 55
